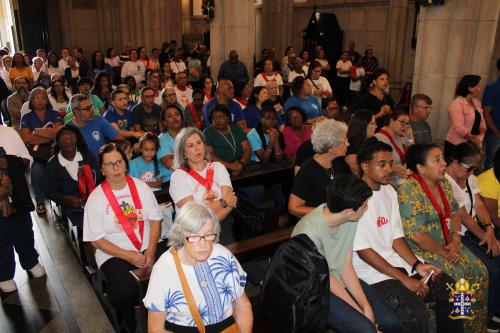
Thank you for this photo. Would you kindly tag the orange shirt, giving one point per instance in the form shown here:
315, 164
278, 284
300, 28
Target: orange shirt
23, 72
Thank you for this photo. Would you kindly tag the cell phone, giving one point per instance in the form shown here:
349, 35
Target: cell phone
426, 279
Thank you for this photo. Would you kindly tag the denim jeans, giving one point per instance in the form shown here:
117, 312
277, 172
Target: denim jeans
344, 318
16, 233
493, 267
492, 144
38, 181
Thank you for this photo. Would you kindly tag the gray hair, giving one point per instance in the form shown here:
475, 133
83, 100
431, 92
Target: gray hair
326, 135
76, 100
190, 219
180, 142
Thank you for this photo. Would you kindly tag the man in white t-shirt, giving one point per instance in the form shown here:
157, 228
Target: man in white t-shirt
182, 91
382, 257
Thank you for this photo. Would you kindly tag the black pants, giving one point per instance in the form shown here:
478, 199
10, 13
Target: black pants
16, 232
411, 309
122, 290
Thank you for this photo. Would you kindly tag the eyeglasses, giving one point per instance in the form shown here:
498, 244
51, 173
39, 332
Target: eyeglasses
115, 164
470, 168
404, 123
171, 95
196, 238
89, 108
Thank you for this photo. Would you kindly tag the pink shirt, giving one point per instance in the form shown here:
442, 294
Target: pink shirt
461, 118
293, 142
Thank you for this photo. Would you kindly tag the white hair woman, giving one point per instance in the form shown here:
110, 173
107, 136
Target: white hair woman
214, 280
329, 141
198, 179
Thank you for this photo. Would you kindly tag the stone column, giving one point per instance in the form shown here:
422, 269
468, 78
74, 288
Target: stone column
453, 40
276, 30
233, 28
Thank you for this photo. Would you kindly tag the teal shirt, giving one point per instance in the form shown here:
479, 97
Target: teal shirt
96, 103
333, 243
222, 143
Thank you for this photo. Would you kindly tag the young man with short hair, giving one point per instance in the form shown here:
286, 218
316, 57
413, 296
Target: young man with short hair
119, 115
354, 306
146, 114
382, 257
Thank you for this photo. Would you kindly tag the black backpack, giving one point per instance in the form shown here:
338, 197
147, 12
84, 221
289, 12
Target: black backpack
296, 289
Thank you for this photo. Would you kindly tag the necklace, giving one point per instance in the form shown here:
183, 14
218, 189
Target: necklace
233, 146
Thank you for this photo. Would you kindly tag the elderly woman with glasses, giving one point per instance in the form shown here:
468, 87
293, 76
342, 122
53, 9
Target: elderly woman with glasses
122, 221
399, 135
213, 278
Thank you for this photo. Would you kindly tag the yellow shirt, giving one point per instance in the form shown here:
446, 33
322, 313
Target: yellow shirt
489, 186
23, 72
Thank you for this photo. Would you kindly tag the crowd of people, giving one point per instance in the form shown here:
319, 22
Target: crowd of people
382, 202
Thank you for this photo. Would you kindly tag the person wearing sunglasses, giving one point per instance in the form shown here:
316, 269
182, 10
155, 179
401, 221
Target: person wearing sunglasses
399, 135
198, 266
477, 231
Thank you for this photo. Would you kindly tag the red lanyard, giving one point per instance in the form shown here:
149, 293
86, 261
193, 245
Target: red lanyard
197, 119
208, 96
401, 153
127, 221
444, 217
86, 183
205, 182
264, 76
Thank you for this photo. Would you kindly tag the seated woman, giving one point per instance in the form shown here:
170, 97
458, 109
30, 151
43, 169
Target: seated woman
59, 98
227, 143
399, 135
478, 234
296, 131
362, 126
73, 173
196, 257
125, 232
329, 141
431, 224
303, 98
38, 130
196, 178
320, 86
254, 106
172, 123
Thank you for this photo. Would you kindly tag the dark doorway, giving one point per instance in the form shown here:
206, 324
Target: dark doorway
32, 26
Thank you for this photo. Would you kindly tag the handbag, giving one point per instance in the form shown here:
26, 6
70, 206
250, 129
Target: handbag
249, 220
41, 152
190, 300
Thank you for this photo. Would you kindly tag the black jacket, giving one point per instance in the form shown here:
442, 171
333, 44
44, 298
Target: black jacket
60, 183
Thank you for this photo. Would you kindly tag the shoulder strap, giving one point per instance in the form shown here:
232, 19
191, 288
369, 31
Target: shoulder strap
470, 196
187, 292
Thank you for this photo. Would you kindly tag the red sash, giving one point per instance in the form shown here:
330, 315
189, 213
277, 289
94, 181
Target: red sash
205, 182
86, 183
444, 217
208, 96
196, 119
264, 76
125, 221
402, 154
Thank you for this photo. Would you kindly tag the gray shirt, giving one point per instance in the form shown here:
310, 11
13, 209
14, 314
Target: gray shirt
421, 132
333, 243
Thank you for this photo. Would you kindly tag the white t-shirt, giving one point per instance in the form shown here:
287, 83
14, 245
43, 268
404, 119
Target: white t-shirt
183, 185
178, 66
356, 85
135, 69
379, 226
5, 77
462, 196
260, 81
63, 63
216, 284
113, 62
58, 106
321, 84
294, 74
344, 66
11, 141
55, 70
184, 97
99, 220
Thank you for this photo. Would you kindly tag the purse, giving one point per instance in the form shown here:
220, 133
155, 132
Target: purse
41, 152
190, 300
249, 220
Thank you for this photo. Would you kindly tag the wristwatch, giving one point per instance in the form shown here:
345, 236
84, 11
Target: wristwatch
415, 265
223, 203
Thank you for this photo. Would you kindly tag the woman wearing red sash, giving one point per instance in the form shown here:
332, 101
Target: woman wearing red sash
122, 221
198, 179
399, 135
431, 223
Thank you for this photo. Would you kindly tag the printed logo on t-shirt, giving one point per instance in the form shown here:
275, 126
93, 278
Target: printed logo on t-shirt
381, 221
148, 176
96, 135
133, 215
